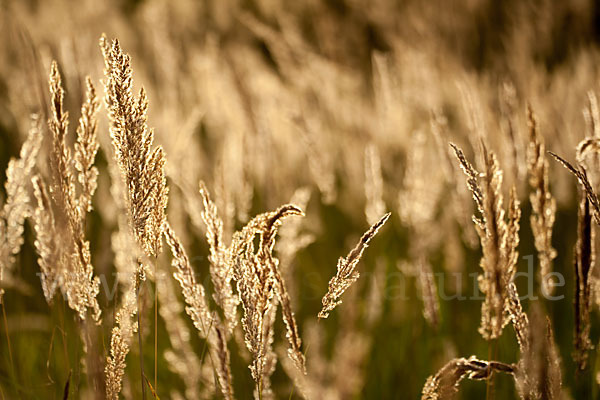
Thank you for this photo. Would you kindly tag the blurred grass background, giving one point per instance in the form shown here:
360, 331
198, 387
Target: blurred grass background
225, 78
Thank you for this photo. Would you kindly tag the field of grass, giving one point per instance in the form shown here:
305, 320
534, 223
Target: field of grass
305, 200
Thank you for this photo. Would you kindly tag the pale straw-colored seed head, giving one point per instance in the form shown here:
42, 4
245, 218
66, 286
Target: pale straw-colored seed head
259, 283
542, 203
16, 206
142, 165
444, 384
77, 273
498, 231
346, 273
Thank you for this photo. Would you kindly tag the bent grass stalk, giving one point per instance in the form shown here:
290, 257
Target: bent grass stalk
346, 273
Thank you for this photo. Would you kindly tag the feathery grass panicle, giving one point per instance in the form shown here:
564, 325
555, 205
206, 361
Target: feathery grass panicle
542, 203
375, 205
584, 266
63, 180
142, 167
193, 292
64, 190
78, 281
512, 234
221, 272
444, 384
346, 273
499, 240
519, 319
258, 282
86, 148
207, 323
122, 332
472, 183
16, 206
581, 174
46, 240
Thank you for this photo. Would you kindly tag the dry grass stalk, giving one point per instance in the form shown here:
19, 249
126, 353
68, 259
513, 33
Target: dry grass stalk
581, 175
122, 332
444, 384
79, 283
193, 292
86, 148
346, 273
221, 272
375, 205
16, 206
499, 240
542, 203
472, 182
63, 180
519, 319
142, 167
46, 242
538, 374
258, 282
584, 266
207, 324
